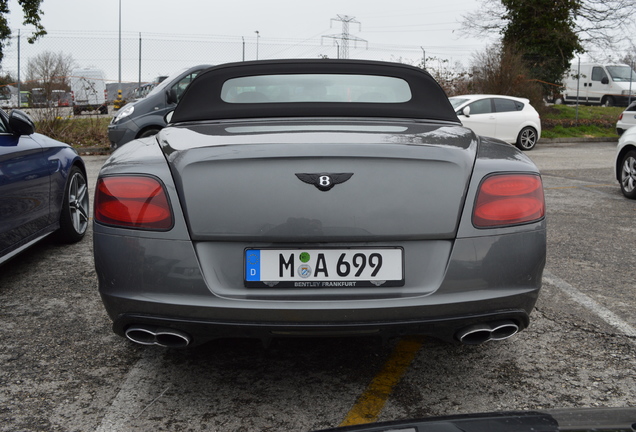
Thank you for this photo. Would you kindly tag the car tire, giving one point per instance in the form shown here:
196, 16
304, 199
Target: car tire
628, 174
149, 132
608, 101
527, 138
75, 208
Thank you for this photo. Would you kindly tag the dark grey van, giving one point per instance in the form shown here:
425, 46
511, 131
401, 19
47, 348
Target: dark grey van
145, 117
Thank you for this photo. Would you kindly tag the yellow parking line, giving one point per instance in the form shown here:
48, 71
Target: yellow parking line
370, 404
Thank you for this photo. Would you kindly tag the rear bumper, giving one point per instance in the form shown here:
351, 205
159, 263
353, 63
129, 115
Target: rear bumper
202, 331
165, 283
622, 126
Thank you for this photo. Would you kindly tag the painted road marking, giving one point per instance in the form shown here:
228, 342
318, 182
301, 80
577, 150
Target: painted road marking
137, 386
369, 406
584, 300
128, 404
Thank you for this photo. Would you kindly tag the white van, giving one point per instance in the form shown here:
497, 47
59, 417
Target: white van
88, 91
600, 84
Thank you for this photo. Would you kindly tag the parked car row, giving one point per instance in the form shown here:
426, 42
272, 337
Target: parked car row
293, 198
35, 98
272, 132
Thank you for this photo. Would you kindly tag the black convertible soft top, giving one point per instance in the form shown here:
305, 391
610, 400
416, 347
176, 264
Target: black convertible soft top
210, 97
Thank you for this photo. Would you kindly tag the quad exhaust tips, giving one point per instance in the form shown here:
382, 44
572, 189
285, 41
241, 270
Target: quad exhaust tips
165, 337
483, 332
474, 334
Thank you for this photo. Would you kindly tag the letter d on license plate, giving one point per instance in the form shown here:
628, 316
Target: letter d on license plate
324, 268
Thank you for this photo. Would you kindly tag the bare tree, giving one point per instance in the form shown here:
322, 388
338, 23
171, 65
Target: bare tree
485, 21
49, 71
498, 70
598, 23
603, 23
453, 79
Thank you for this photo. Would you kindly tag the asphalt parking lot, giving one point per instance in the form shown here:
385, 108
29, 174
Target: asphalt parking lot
64, 370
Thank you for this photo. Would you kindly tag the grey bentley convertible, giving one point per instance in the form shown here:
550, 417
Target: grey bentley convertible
317, 198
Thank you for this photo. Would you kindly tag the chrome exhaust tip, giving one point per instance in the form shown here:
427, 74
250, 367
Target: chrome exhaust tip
503, 330
165, 337
483, 332
142, 335
475, 334
171, 338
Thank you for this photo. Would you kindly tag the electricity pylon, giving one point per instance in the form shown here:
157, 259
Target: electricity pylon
345, 37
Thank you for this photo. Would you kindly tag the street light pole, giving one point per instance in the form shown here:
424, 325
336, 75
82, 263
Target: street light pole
119, 82
19, 88
257, 38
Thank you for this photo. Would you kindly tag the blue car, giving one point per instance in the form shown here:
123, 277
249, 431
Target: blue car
43, 187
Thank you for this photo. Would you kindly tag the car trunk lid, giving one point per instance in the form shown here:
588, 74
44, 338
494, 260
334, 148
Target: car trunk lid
320, 181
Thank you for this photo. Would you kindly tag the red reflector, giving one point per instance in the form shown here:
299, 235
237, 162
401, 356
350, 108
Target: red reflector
509, 199
133, 202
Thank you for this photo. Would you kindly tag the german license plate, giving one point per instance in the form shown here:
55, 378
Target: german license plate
324, 268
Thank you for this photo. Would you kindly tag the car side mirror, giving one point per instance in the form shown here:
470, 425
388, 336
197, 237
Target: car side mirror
168, 117
604, 80
20, 123
172, 97
466, 111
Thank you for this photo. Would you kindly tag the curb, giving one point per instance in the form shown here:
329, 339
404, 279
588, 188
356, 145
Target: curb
92, 151
576, 140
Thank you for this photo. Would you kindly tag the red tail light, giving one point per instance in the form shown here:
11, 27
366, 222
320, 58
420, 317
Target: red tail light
509, 199
132, 202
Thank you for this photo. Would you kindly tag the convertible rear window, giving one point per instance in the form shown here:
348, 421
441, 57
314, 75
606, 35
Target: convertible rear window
303, 88
285, 88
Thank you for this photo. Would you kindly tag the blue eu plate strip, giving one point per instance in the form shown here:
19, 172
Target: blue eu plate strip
253, 265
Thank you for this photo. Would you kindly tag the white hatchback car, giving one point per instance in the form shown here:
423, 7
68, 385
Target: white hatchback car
627, 119
625, 163
510, 119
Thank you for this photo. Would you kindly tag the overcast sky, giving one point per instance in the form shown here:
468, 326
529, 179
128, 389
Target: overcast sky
432, 25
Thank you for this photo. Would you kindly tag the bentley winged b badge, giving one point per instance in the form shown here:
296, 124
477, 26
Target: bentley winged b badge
324, 181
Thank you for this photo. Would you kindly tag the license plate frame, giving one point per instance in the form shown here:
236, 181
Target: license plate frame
337, 267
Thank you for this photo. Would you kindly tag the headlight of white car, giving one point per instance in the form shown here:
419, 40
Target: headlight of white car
125, 112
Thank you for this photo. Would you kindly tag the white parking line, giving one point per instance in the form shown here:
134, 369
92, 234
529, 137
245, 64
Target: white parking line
584, 300
127, 405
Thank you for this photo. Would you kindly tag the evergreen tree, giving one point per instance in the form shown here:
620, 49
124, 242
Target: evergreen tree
543, 31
